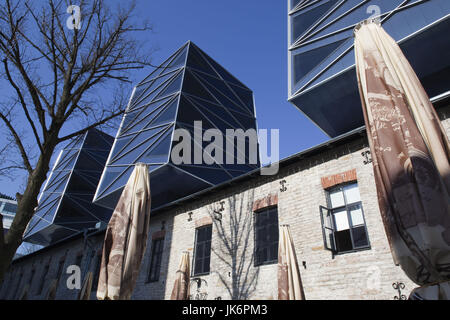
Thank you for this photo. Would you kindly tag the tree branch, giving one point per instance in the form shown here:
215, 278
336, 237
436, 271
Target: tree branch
77, 133
23, 104
19, 143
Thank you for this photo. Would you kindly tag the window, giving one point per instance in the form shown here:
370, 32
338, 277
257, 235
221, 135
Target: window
155, 261
343, 223
202, 250
266, 236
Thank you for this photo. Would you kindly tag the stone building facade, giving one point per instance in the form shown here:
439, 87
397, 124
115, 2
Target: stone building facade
297, 191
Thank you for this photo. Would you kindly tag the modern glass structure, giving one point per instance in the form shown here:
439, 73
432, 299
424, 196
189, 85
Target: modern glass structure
189, 86
65, 204
8, 208
322, 77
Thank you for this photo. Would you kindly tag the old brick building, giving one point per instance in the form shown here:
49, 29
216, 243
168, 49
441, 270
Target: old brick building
228, 218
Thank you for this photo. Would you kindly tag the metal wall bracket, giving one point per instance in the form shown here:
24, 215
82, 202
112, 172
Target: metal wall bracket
367, 156
283, 187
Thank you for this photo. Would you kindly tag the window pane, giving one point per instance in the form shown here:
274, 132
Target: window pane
360, 237
341, 220
337, 199
202, 250
356, 215
266, 236
155, 264
206, 264
329, 239
352, 193
343, 241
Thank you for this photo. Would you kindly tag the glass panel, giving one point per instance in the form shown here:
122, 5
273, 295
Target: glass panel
294, 3
337, 199
360, 237
86, 162
221, 117
110, 174
122, 180
357, 216
352, 193
206, 264
224, 73
213, 176
58, 186
306, 61
222, 87
246, 97
132, 155
159, 153
120, 143
174, 86
188, 114
306, 18
343, 240
341, 220
167, 115
154, 90
179, 60
225, 101
197, 62
67, 160
132, 118
192, 86
139, 139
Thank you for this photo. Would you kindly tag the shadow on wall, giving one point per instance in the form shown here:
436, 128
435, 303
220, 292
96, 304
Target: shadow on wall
234, 248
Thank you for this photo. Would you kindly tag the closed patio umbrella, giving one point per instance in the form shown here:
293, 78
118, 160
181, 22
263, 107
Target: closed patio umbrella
410, 152
85, 292
126, 238
180, 289
289, 281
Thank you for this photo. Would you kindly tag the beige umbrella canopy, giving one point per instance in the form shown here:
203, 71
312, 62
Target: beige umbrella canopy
289, 281
181, 286
410, 152
126, 238
85, 292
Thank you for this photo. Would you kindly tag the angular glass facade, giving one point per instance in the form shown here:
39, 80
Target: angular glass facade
65, 204
322, 78
189, 86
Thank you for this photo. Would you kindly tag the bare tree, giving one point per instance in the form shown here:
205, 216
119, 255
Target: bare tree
66, 77
235, 250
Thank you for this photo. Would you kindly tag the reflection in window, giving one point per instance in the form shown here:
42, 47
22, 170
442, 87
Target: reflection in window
202, 250
343, 222
155, 260
266, 236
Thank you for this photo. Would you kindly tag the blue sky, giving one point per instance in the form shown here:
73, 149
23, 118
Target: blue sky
248, 38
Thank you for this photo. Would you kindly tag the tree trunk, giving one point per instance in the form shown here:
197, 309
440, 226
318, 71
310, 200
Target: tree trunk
26, 205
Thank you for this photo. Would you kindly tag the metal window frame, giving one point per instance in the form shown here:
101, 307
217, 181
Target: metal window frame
340, 187
256, 263
194, 260
154, 255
